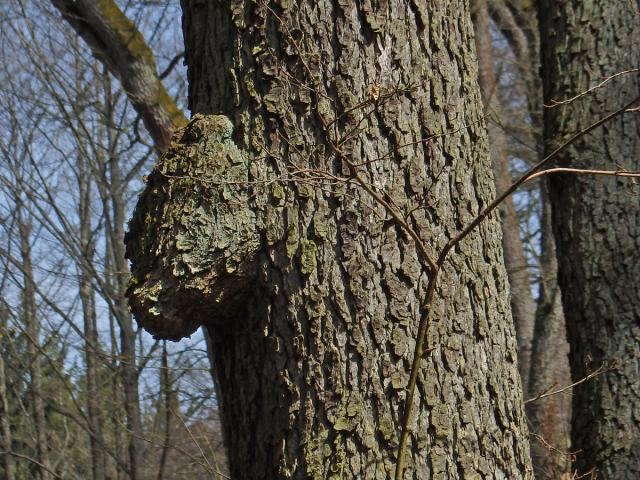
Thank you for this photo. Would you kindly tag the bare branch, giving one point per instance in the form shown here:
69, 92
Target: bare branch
555, 103
547, 393
116, 42
32, 460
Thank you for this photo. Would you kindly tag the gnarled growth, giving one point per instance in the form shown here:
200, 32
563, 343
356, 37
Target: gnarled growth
192, 238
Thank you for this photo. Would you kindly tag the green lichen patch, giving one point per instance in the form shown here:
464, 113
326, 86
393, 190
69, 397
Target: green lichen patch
387, 428
292, 240
342, 424
315, 454
309, 251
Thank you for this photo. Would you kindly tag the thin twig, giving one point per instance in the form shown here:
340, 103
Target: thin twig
193, 439
578, 171
32, 460
547, 393
555, 103
524, 178
550, 447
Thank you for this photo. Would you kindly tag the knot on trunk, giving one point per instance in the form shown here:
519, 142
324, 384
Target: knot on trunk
192, 240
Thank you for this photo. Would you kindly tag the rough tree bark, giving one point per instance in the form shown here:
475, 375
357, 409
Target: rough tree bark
312, 292
522, 305
597, 223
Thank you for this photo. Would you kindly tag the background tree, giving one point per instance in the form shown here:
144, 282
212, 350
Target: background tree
6, 442
597, 222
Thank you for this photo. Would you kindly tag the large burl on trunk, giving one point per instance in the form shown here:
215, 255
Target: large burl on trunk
309, 288
192, 239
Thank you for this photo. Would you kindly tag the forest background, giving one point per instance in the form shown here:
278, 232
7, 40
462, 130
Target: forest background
84, 391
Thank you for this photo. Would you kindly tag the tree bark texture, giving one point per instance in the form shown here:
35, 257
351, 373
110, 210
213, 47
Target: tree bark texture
597, 223
310, 291
522, 305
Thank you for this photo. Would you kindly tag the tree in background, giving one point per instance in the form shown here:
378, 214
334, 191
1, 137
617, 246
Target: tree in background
522, 303
597, 221
512, 89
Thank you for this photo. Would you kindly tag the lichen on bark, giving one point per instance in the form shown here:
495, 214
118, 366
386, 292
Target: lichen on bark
192, 239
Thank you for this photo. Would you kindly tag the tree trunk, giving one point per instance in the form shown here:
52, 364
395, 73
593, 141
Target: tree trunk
32, 329
6, 444
310, 289
549, 364
166, 396
517, 21
549, 417
116, 391
522, 306
128, 364
87, 297
597, 223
